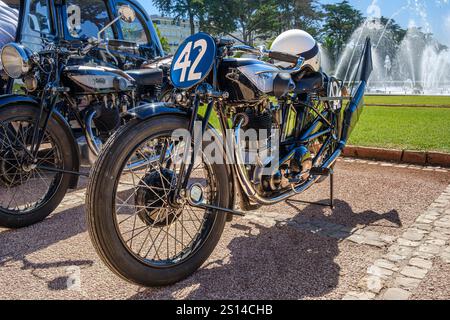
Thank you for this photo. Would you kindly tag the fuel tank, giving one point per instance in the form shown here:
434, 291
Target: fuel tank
96, 80
240, 77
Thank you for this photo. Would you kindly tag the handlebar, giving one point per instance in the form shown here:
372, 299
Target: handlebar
276, 55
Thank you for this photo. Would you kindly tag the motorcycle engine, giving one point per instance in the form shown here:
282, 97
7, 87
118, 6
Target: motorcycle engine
292, 166
107, 110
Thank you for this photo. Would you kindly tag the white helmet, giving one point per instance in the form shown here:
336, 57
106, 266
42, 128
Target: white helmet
300, 43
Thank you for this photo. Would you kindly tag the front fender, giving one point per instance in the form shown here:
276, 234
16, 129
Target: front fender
11, 100
149, 110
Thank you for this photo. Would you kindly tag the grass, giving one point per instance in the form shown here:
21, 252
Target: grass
409, 100
424, 129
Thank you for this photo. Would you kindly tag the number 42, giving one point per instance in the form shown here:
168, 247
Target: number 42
184, 62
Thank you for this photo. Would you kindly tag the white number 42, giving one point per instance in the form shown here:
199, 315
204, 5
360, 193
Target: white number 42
184, 62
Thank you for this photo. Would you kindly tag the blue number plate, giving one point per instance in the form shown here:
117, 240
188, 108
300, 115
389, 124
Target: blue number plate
193, 61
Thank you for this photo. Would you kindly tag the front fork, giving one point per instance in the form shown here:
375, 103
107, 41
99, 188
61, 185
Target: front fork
186, 170
49, 105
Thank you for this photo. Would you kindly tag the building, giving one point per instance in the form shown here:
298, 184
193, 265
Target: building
175, 31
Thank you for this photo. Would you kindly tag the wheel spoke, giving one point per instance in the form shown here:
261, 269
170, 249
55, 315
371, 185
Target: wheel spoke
155, 221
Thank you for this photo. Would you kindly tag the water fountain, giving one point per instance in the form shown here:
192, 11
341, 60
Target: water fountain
418, 65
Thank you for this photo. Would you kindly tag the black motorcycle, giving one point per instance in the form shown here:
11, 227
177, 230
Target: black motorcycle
69, 107
156, 224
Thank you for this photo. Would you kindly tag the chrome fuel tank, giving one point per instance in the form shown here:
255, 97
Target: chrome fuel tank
241, 79
96, 80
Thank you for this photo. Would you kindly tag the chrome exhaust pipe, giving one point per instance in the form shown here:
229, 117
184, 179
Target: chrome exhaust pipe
351, 117
247, 185
94, 144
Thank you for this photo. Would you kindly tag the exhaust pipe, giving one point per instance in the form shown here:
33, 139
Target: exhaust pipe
351, 117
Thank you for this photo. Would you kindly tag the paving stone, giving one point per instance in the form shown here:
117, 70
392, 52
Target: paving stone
424, 221
407, 283
375, 243
386, 264
442, 230
407, 243
394, 257
372, 283
421, 263
439, 235
354, 295
423, 226
414, 272
430, 248
443, 224
400, 250
356, 238
413, 235
446, 257
387, 238
436, 242
373, 235
431, 217
379, 272
396, 294
424, 255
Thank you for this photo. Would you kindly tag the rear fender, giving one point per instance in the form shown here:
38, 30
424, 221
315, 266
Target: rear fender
11, 100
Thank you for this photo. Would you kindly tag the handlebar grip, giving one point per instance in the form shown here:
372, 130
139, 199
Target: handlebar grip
285, 57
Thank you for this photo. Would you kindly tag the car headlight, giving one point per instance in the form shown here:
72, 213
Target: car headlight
15, 60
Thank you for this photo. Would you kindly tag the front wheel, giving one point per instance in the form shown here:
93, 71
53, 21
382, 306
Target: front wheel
137, 228
28, 191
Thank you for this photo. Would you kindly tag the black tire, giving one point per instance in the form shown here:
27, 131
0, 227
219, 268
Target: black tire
16, 218
101, 216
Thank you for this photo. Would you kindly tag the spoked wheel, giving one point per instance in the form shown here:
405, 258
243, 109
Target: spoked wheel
28, 192
142, 230
334, 90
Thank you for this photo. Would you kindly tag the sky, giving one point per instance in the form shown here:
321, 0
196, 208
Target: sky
431, 15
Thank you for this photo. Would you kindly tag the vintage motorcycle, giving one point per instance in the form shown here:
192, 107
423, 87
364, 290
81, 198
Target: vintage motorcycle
39, 150
156, 224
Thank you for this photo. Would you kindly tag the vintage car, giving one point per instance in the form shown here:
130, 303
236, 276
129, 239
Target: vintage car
75, 21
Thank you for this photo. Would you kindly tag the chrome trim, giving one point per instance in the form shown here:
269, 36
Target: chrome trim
23, 53
247, 185
93, 142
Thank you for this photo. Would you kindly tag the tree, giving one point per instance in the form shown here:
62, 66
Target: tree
299, 14
164, 42
340, 20
182, 9
253, 17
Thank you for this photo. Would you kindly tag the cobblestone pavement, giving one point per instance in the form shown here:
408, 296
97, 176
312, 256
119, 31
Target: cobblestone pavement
387, 238
401, 270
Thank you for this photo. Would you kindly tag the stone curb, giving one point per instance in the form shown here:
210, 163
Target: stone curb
399, 156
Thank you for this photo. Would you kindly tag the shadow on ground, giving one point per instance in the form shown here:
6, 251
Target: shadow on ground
16, 245
278, 262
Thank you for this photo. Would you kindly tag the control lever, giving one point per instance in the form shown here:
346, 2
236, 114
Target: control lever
297, 68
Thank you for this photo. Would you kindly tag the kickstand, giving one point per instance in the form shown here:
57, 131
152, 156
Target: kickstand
330, 204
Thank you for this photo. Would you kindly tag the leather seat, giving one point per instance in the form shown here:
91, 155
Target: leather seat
146, 77
310, 82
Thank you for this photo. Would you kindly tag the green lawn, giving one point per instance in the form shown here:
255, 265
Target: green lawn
425, 129
411, 100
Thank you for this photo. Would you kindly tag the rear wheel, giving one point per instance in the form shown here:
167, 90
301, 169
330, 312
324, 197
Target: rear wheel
29, 192
137, 227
